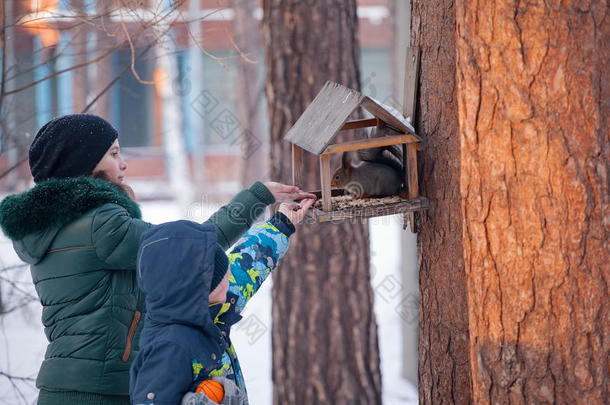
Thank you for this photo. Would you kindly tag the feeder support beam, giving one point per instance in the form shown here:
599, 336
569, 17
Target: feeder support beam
297, 166
370, 143
325, 182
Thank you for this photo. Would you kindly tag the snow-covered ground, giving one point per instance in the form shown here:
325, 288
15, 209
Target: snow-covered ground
22, 341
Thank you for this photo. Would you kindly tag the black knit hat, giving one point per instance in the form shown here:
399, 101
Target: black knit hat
221, 264
70, 146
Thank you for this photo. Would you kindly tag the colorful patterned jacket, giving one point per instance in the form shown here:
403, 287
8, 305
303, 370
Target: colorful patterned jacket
182, 342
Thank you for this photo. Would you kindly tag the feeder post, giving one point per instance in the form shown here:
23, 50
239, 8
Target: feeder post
410, 103
411, 79
408, 111
297, 166
325, 181
405, 168
412, 170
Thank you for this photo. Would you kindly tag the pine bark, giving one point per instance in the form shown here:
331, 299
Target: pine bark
444, 369
325, 348
514, 249
534, 101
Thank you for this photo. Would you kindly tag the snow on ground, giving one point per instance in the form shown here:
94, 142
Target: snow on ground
385, 266
22, 341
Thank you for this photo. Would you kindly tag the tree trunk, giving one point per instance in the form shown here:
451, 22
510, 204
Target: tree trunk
325, 347
534, 102
100, 73
521, 248
444, 370
250, 84
174, 146
80, 39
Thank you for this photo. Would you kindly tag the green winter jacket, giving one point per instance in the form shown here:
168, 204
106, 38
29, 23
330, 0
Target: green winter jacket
81, 236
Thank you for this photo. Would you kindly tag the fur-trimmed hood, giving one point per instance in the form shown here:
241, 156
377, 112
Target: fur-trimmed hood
34, 217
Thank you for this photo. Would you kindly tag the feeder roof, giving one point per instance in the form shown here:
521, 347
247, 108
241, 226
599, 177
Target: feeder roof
324, 117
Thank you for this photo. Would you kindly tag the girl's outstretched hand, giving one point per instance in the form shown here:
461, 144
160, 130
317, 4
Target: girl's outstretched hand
284, 192
296, 211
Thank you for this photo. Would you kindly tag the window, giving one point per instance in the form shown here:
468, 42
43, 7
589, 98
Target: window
131, 101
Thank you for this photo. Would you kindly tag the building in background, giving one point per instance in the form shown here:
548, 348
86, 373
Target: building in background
63, 34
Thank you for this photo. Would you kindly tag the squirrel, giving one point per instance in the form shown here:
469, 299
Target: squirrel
378, 174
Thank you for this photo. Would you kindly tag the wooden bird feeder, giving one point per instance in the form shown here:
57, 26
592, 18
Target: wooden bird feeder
323, 119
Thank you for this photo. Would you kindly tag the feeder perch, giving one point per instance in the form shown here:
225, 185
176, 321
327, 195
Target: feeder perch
323, 119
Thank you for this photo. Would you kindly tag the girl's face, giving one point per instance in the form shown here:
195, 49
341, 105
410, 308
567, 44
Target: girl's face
112, 164
219, 294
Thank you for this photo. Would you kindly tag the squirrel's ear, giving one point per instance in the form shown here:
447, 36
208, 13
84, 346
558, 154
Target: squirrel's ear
345, 160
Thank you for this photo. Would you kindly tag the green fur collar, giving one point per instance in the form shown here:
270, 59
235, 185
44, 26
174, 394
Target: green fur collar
56, 202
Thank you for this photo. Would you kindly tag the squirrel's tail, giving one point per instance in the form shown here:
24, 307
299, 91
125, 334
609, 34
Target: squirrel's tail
389, 155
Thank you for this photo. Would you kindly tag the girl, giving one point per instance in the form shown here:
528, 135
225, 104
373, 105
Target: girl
79, 229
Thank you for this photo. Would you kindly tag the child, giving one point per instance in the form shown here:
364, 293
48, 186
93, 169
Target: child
182, 269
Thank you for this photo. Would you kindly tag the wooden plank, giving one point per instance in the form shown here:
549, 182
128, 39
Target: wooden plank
324, 117
405, 169
411, 80
334, 192
371, 122
389, 115
370, 143
297, 166
325, 182
409, 107
412, 169
415, 205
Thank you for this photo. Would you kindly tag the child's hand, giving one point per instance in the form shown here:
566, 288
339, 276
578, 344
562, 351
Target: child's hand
296, 211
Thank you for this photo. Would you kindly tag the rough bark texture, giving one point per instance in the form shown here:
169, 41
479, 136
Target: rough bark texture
325, 348
444, 371
534, 101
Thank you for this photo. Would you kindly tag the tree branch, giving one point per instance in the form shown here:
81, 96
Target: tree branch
99, 95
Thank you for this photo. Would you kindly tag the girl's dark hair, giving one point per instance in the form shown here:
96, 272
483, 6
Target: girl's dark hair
100, 174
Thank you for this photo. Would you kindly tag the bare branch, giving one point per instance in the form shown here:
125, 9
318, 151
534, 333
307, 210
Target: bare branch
97, 59
133, 58
23, 302
13, 267
13, 167
4, 41
12, 377
16, 287
99, 95
57, 54
145, 26
241, 53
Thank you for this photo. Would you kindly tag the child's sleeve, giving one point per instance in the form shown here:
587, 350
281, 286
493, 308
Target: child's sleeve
256, 255
161, 375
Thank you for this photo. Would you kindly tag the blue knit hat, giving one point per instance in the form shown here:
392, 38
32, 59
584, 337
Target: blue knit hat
221, 264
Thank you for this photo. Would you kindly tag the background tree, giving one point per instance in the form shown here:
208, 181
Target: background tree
325, 348
514, 274
251, 84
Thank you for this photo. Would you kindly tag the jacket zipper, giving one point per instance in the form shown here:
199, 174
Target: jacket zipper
69, 248
132, 331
